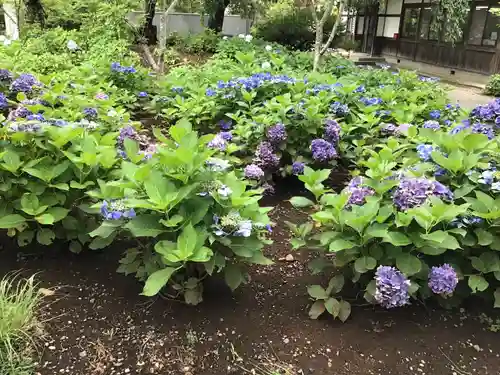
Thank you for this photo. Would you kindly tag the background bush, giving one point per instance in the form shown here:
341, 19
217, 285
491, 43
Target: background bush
493, 86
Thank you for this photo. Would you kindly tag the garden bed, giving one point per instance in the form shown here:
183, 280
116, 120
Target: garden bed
97, 323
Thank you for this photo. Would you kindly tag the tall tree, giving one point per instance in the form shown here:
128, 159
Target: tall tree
216, 10
148, 29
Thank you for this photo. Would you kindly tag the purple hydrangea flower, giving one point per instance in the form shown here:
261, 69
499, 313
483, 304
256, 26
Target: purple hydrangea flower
485, 129
435, 114
265, 156
432, 124
210, 92
443, 280
118, 68
424, 151
218, 142
90, 113
413, 192
332, 131
322, 150
227, 136
357, 192
24, 83
225, 125
371, 101
360, 89
253, 172
339, 109
5, 76
143, 94
19, 112
298, 168
268, 188
276, 134
115, 210
35, 117
3, 101
392, 287
101, 96
487, 177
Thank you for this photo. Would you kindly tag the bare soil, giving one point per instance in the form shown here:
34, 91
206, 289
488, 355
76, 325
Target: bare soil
97, 323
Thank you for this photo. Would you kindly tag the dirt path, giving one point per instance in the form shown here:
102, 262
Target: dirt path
100, 325
468, 97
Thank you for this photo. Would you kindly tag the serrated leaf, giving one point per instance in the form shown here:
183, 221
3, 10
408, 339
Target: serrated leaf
335, 284
157, 280
45, 219
146, 225
484, 238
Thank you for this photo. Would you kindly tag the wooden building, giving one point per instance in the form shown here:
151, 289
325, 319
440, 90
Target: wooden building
404, 29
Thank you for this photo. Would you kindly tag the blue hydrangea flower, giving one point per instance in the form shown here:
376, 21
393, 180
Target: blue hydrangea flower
224, 191
435, 114
177, 90
3, 101
24, 83
90, 113
143, 94
432, 124
35, 117
360, 89
485, 129
225, 125
339, 109
210, 92
424, 151
253, 172
443, 280
276, 134
322, 150
218, 142
413, 192
227, 136
101, 96
371, 101
217, 165
5, 76
118, 68
392, 287
440, 171
298, 168
486, 177
244, 229
116, 209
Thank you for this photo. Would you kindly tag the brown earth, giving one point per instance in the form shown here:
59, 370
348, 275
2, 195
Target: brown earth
97, 324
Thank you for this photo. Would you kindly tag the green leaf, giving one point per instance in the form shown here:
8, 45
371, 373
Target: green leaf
106, 228
397, 239
340, 244
484, 237
317, 292
45, 236
317, 309
45, 219
186, 242
301, 202
478, 283
496, 295
233, 276
259, 258
75, 247
332, 306
11, 221
335, 284
491, 261
408, 264
25, 238
157, 280
146, 225
201, 255
345, 310
364, 264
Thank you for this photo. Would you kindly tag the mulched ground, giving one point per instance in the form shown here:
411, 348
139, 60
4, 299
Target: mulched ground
97, 324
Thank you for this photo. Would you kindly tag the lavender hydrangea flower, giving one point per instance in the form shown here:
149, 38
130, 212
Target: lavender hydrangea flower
443, 280
332, 131
322, 150
210, 92
392, 287
218, 142
227, 136
225, 125
276, 134
486, 177
298, 168
115, 210
101, 96
3, 101
24, 83
224, 191
253, 172
371, 101
35, 117
339, 109
90, 113
358, 192
268, 188
265, 156
19, 112
413, 192
424, 151
118, 68
432, 124
143, 94
360, 89
5, 76
485, 129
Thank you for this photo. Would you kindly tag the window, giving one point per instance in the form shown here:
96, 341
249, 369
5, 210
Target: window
425, 23
410, 22
476, 29
490, 34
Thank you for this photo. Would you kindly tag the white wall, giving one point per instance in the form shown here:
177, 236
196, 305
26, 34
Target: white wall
395, 6
11, 27
391, 26
361, 21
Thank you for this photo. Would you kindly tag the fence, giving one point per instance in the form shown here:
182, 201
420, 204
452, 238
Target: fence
190, 23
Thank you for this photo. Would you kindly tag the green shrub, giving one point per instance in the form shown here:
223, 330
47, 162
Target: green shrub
493, 86
201, 43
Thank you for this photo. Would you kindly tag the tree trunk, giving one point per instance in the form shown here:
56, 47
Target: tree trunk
319, 24
216, 17
149, 30
35, 12
334, 30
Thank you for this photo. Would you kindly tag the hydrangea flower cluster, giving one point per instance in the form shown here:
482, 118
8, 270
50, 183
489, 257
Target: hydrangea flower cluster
332, 131
232, 224
225, 125
323, 151
90, 113
146, 146
35, 117
478, 128
3, 101
466, 221
435, 114
443, 280
118, 68
413, 192
392, 129
487, 177
487, 112
253, 172
424, 151
25, 83
428, 79
217, 165
392, 287
116, 210
5, 76
19, 112
358, 192
101, 96
359, 89
339, 109
432, 124
298, 168
265, 156
142, 94
276, 134
323, 87
371, 101
218, 142
25, 127
255, 81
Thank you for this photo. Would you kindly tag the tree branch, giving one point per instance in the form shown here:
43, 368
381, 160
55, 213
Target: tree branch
334, 30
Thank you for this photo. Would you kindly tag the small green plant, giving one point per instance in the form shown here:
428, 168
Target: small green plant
20, 300
493, 86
